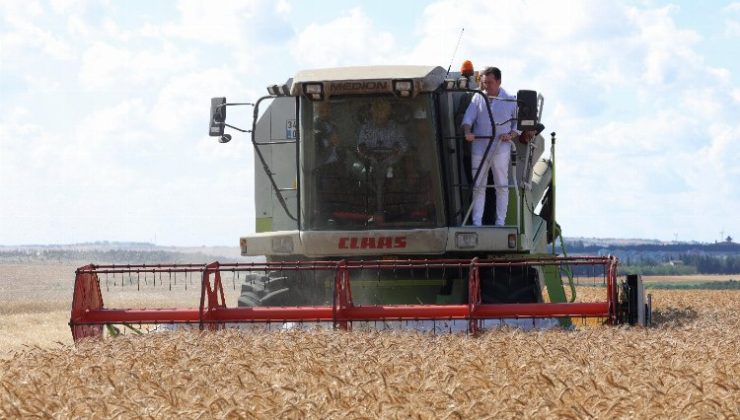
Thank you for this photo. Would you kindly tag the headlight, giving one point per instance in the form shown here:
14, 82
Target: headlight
315, 91
276, 90
403, 87
512, 240
282, 245
465, 240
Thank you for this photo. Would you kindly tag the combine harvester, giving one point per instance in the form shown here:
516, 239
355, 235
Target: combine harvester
375, 233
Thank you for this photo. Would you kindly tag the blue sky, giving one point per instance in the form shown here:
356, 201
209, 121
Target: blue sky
103, 106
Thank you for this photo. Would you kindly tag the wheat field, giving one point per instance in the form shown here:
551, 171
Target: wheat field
686, 366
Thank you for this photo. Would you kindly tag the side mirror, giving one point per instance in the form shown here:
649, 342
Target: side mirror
526, 117
217, 121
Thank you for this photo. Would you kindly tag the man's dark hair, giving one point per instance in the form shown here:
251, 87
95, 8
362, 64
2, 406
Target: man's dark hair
492, 71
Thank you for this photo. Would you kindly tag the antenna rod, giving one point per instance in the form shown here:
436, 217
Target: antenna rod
454, 52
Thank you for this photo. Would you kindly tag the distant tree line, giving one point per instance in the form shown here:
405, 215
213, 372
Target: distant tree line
658, 270
117, 256
709, 264
666, 259
578, 246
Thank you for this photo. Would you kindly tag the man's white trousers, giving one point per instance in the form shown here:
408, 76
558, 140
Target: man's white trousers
499, 164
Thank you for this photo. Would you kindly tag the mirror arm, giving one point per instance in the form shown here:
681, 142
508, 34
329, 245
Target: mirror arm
237, 104
237, 128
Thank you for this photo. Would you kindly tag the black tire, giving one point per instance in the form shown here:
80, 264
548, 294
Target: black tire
262, 290
289, 288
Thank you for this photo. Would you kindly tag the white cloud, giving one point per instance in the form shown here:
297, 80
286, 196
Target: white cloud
732, 7
666, 53
14, 10
185, 99
350, 39
112, 30
63, 7
210, 23
732, 20
42, 85
100, 126
23, 34
77, 26
104, 64
283, 7
732, 28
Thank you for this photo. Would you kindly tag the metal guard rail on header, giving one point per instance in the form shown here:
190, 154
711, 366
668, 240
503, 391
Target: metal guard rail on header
89, 314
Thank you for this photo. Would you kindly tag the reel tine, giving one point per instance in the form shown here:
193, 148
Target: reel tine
510, 271
314, 274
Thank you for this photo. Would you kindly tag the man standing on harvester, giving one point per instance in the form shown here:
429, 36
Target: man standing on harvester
476, 125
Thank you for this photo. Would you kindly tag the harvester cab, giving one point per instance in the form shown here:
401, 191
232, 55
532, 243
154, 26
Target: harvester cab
363, 196
379, 149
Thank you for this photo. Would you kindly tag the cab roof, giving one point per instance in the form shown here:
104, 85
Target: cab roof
425, 78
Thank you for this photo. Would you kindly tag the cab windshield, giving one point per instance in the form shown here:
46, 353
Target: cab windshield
370, 162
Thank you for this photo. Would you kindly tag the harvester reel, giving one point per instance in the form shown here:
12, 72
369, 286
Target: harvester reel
322, 292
